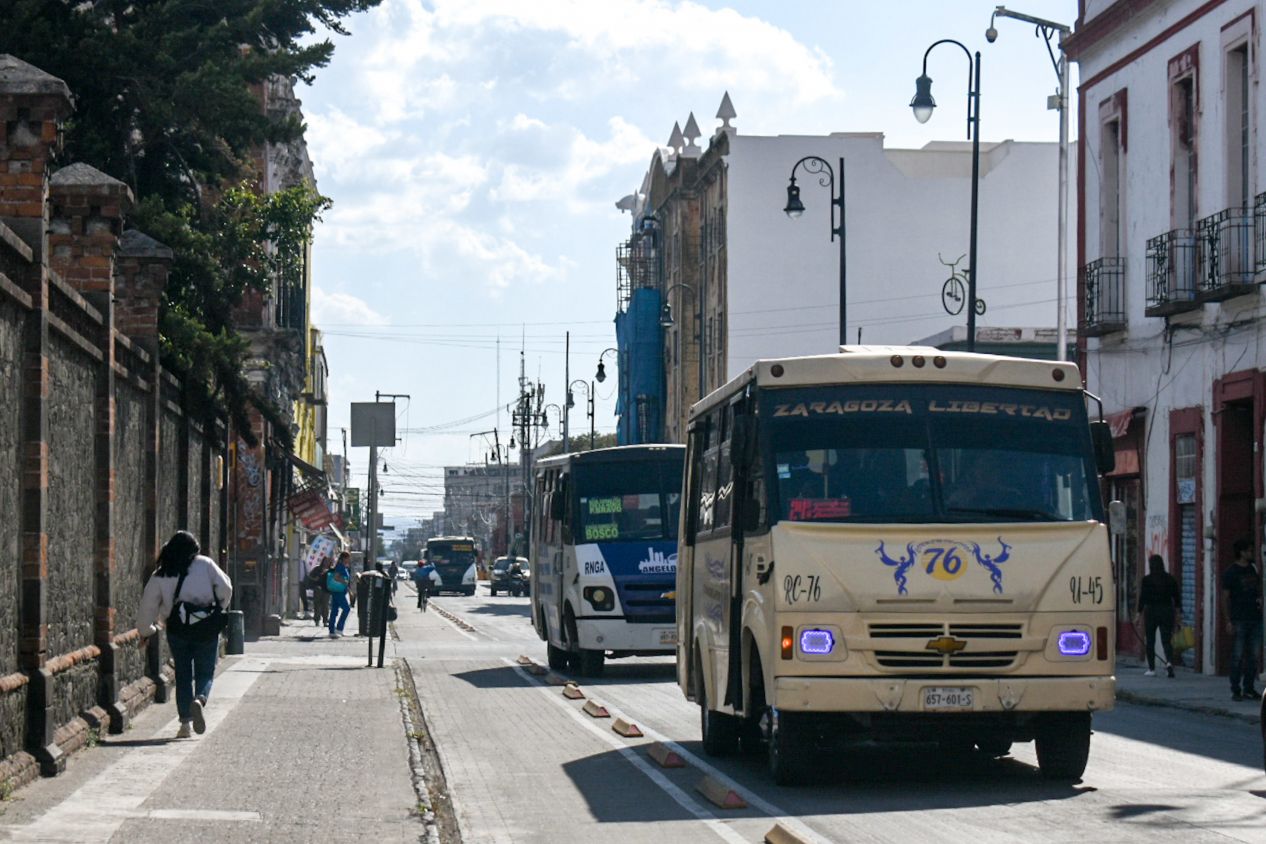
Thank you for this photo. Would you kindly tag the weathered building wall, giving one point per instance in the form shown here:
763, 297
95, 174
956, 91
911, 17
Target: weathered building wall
12, 703
72, 513
170, 517
131, 552
195, 510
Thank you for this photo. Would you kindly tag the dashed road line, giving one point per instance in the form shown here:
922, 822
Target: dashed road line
667, 786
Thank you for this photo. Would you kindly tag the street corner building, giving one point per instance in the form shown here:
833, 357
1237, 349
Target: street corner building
1171, 250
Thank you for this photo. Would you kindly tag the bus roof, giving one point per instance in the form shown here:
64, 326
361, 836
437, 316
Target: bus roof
897, 365
451, 539
614, 454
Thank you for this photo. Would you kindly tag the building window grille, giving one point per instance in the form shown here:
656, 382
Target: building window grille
1225, 243
1171, 273
1104, 283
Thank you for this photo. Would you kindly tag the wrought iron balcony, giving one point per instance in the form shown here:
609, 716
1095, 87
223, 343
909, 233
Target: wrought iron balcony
1225, 247
1171, 273
1259, 234
1104, 284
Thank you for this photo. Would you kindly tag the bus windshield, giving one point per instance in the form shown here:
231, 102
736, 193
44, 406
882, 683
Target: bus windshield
928, 453
449, 552
627, 500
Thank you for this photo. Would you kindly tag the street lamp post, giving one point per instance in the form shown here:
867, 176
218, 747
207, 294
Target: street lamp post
922, 105
601, 374
588, 388
816, 166
1048, 29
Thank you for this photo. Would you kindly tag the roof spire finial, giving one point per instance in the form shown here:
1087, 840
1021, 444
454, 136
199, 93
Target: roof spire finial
726, 113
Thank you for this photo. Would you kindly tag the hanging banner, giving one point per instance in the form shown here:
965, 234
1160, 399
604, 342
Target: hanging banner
321, 547
309, 506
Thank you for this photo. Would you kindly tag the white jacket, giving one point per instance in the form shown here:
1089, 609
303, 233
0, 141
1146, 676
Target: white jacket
205, 584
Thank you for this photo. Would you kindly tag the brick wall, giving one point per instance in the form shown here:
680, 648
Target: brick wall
98, 464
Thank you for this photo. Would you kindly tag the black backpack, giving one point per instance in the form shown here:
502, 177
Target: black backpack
195, 621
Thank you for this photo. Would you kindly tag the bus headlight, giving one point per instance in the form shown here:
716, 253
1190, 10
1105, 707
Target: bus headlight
601, 598
1073, 643
816, 642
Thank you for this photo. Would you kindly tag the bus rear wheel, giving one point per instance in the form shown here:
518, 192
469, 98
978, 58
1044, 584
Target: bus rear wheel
1063, 745
589, 663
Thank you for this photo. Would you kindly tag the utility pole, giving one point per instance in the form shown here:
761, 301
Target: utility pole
567, 402
371, 534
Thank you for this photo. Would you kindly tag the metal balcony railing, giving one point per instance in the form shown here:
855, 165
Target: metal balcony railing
1259, 232
1225, 251
1171, 273
1104, 283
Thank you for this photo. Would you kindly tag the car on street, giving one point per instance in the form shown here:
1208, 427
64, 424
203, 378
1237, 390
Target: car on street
509, 574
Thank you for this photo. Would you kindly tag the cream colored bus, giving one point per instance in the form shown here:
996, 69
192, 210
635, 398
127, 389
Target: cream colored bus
896, 544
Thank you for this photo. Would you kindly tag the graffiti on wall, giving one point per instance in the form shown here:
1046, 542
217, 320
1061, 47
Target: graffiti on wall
1158, 538
250, 496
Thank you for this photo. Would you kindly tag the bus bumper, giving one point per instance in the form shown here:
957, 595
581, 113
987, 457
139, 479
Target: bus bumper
620, 636
910, 695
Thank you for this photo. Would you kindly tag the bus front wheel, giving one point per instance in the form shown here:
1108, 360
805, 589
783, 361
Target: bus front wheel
557, 657
1063, 745
589, 663
788, 751
719, 731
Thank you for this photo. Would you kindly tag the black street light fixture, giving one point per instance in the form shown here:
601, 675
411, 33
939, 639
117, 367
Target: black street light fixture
601, 374
816, 166
922, 105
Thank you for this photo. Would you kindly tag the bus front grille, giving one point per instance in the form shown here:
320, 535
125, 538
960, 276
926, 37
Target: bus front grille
913, 637
907, 659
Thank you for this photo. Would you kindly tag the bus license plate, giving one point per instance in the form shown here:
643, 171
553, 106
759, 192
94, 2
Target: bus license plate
668, 637
948, 697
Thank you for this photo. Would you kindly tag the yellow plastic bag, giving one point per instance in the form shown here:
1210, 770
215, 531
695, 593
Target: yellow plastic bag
1184, 639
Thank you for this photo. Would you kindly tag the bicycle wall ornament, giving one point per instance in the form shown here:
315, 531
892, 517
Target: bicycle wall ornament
954, 291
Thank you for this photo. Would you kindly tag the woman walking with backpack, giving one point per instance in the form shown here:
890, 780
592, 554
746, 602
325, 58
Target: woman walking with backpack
189, 594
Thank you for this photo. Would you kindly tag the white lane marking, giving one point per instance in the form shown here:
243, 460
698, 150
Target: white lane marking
667, 786
95, 811
201, 815
776, 813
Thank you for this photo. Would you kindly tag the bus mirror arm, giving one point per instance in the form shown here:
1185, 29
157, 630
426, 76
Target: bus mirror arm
764, 570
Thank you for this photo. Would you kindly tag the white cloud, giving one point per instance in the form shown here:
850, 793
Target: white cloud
586, 160
342, 309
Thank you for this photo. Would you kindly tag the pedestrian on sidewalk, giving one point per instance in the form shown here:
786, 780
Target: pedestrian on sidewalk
1161, 606
1242, 608
422, 580
190, 593
337, 580
320, 595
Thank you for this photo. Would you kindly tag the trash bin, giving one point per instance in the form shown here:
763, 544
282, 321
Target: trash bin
362, 605
236, 633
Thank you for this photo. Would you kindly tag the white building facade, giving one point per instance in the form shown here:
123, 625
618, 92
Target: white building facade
744, 281
1171, 245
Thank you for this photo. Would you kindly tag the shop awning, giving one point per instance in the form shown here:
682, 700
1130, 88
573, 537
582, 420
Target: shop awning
338, 534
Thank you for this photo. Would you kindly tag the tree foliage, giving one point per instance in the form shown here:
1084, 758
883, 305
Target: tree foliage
167, 99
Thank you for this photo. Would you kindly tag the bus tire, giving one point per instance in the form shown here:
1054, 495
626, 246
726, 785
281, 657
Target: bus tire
719, 731
589, 663
1063, 745
995, 746
492, 591
556, 657
788, 752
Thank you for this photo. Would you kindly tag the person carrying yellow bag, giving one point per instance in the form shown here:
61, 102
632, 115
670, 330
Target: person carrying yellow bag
1161, 605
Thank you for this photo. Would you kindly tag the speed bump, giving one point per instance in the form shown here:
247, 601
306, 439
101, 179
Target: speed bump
666, 758
572, 692
719, 794
524, 660
536, 670
596, 710
781, 835
557, 680
626, 728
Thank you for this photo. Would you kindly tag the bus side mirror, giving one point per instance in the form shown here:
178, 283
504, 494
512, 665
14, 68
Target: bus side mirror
1105, 451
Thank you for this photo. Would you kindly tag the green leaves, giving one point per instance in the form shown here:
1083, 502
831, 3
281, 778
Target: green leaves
169, 98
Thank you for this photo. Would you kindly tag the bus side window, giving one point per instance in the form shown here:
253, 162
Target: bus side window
724, 501
694, 474
708, 477
745, 459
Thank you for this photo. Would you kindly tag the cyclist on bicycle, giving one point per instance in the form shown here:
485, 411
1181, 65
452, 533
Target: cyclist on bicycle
422, 580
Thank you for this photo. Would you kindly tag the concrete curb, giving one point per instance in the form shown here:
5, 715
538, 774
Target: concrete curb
404, 680
1165, 703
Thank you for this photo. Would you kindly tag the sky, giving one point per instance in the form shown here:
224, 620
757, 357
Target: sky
474, 151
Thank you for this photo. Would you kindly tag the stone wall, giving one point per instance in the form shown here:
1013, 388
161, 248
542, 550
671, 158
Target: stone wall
13, 703
195, 513
132, 554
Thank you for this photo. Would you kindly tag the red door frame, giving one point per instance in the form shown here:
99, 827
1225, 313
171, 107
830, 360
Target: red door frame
1188, 420
1237, 386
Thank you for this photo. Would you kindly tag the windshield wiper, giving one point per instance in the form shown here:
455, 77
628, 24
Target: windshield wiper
1005, 512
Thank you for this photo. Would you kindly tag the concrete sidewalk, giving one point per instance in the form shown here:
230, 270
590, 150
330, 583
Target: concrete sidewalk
1188, 690
302, 743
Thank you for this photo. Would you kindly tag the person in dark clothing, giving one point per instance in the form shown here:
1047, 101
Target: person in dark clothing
1242, 609
1161, 605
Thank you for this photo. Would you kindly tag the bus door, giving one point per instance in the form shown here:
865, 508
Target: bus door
687, 557
562, 515
736, 426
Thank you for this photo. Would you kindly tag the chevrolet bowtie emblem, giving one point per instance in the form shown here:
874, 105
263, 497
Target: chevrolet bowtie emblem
946, 645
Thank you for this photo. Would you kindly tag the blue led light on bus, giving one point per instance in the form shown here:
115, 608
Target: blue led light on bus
1074, 643
816, 642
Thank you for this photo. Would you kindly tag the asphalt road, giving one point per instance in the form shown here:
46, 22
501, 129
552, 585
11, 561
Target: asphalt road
525, 764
